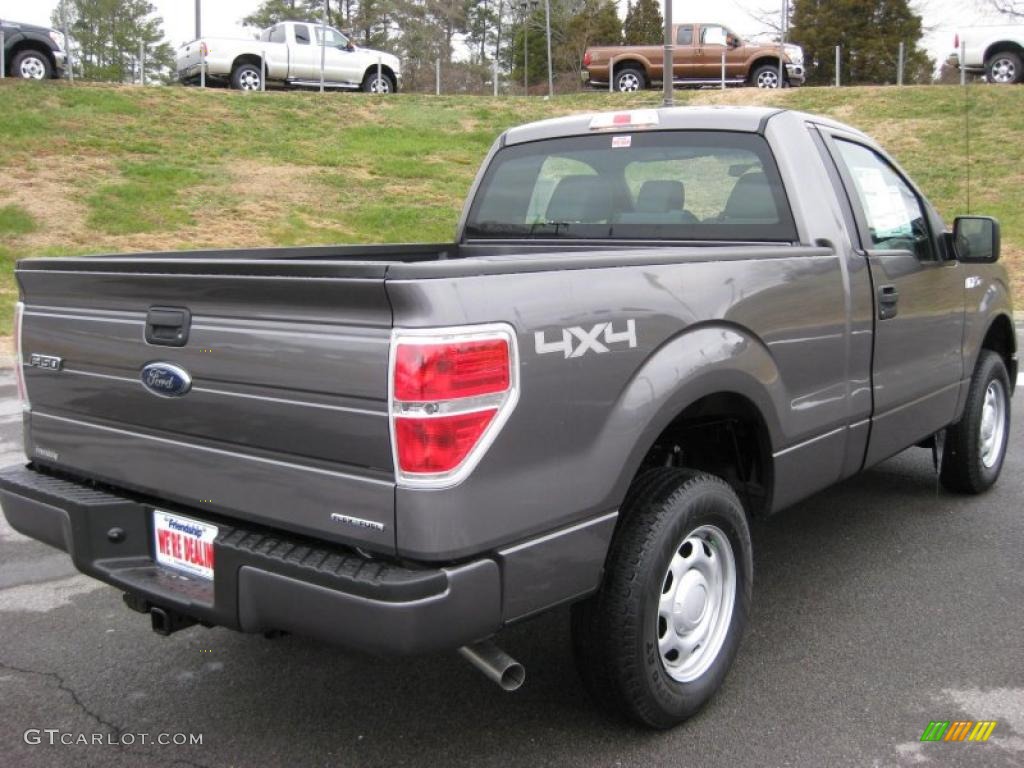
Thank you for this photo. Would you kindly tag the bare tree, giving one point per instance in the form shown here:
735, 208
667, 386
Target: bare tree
1013, 8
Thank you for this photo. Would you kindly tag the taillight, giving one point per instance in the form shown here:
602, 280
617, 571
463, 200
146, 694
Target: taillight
19, 369
587, 59
452, 390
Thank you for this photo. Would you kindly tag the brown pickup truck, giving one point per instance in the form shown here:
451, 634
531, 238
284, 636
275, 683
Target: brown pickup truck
697, 61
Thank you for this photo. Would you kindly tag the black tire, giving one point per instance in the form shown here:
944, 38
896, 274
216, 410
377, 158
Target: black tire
31, 64
370, 81
615, 632
1004, 68
964, 465
246, 77
630, 79
767, 73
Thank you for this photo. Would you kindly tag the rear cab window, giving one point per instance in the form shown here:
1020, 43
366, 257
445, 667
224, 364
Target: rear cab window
667, 185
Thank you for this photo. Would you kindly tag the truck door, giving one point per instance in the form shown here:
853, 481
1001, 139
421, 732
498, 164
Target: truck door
342, 65
305, 57
919, 301
708, 61
684, 55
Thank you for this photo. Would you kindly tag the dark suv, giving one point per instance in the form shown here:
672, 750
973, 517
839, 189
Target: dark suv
31, 52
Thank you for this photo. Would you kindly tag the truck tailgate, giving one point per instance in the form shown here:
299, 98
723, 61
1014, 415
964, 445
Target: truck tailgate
286, 421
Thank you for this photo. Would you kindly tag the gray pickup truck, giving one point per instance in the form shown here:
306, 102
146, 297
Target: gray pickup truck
652, 327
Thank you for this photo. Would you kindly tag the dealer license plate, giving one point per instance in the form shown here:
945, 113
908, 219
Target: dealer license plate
184, 544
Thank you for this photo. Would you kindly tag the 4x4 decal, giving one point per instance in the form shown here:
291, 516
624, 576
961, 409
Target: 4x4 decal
576, 341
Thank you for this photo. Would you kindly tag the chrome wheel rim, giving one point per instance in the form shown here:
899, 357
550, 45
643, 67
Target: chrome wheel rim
380, 85
629, 82
992, 431
1004, 71
32, 68
768, 79
698, 594
249, 80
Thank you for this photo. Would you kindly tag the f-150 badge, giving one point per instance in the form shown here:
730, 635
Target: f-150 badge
576, 341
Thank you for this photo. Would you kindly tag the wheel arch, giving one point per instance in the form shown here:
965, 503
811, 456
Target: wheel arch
1002, 46
384, 70
248, 58
1001, 338
764, 60
632, 63
27, 44
714, 373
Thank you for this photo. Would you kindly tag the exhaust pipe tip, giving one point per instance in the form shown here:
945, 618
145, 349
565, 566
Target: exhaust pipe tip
496, 665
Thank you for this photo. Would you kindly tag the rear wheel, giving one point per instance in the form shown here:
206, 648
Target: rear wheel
31, 65
658, 638
1004, 68
976, 445
247, 77
629, 79
766, 76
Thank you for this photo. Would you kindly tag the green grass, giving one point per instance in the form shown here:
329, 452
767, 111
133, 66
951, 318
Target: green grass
87, 168
15, 220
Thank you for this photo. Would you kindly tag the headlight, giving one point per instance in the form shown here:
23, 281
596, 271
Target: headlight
58, 38
795, 54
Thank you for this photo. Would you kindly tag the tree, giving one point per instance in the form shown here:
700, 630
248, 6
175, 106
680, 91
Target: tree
1013, 8
869, 33
595, 22
644, 24
108, 35
272, 12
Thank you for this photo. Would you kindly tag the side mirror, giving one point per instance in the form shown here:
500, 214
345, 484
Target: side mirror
976, 239
732, 41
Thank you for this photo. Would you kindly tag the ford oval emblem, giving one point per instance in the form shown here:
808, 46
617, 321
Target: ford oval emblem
166, 380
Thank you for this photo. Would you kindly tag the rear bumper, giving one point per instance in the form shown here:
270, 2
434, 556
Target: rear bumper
264, 580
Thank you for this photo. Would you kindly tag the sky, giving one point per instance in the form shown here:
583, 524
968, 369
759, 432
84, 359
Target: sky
221, 17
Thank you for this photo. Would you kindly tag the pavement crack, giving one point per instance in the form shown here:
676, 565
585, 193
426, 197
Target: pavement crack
118, 731
62, 684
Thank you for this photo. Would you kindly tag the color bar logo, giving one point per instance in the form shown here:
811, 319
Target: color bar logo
958, 730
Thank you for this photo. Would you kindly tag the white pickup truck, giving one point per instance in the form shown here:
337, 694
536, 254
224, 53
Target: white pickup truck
290, 53
997, 51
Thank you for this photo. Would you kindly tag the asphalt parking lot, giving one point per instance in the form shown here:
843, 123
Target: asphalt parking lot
880, 605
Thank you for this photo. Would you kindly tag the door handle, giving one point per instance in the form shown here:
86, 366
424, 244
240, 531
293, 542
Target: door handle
888, 302
168, 326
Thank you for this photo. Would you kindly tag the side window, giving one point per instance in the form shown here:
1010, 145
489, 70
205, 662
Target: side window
894, 214
332, 38
277, 34
684, 36
302, 34
712, 34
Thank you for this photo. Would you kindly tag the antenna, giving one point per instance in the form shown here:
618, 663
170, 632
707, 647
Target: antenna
967, 119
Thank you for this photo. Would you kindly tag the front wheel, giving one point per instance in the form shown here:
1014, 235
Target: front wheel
766, 76
374, 84
32, 65
1004, 68
658, 638
976, 445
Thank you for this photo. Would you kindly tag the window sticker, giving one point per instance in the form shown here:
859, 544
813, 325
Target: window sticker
622, 142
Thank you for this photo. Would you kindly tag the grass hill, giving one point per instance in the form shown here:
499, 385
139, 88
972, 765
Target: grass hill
89, 168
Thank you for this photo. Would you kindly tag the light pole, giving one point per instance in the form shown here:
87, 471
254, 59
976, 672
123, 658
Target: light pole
668, 69
547, 23
199, 19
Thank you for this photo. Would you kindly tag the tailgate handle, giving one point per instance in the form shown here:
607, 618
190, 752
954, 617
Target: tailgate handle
168, 326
